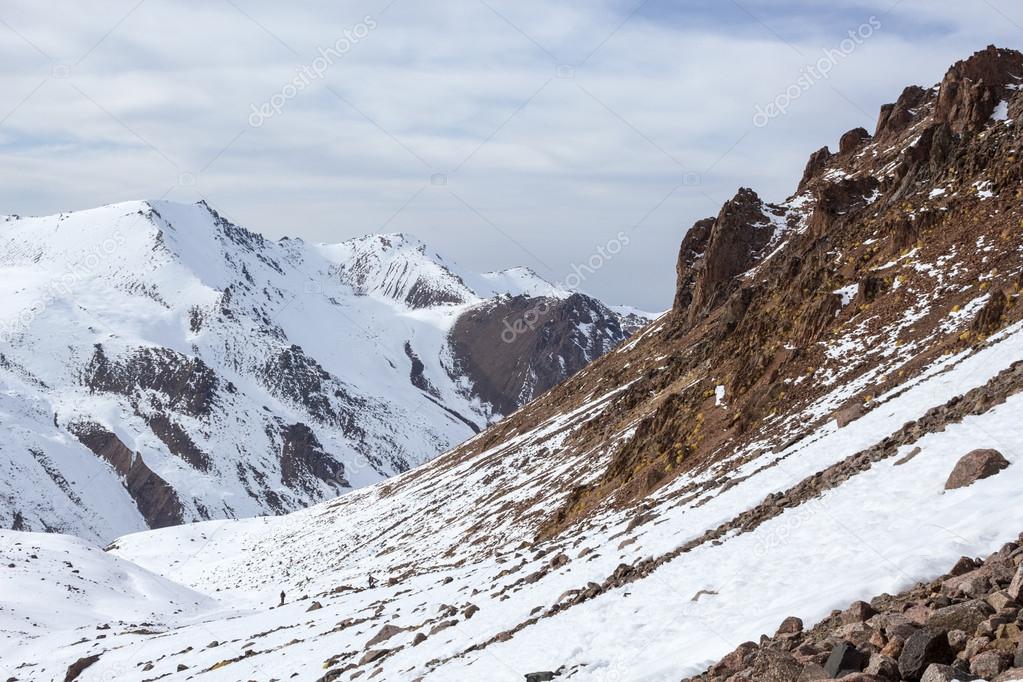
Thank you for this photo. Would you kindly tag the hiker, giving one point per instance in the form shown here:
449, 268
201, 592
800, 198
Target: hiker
282, 598
372, 582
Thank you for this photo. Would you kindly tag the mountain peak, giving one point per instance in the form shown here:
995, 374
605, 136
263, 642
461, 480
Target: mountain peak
974, 87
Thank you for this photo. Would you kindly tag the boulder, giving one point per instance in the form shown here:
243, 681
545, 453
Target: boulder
384, 634
852, 140
944, 673
885, 667
924, 647
776, 666
373, 655
735, 661
858, 634
849, 413
790, 626
1015, 591
812, 672
844, 659
965, 616
989, 664
858, 612
975, 466
545, 676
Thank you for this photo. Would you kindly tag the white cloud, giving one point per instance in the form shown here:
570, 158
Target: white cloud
556, 163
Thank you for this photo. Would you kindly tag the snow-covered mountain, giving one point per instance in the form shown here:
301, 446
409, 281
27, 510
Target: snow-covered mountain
829, 414
160, 365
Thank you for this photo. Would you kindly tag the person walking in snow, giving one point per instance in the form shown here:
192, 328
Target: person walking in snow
282, 598
372, 582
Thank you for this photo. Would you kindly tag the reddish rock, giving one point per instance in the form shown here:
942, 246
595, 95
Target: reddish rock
974, 466
790, 626
852, 140
989, 664
740, 232
736, 660
973, 88
894, 118
858, 612
817, 163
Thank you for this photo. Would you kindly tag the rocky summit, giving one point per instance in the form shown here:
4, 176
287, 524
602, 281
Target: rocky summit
824, 423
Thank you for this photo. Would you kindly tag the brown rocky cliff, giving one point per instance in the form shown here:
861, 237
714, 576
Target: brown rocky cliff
758, 309
154, 497
973, 88
736, 238
689, 257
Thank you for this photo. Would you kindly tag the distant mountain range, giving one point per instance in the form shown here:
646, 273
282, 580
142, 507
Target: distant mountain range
160, 364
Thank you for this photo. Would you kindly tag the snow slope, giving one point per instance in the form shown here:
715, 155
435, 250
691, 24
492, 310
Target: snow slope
456, 566
248, 376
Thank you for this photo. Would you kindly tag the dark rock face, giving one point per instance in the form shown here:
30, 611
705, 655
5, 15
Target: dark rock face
853, 140
833, 201
422, 295
79, 666
189, 385
895, 118
154, 497
689, 256
177, 440
973, 88
818, 162
991, 315
520, 347
975, 466
303, 457
845, 659
416, 375
293, 375
924, 647
738, 235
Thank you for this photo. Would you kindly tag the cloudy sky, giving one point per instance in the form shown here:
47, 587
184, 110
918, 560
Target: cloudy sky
501, 132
